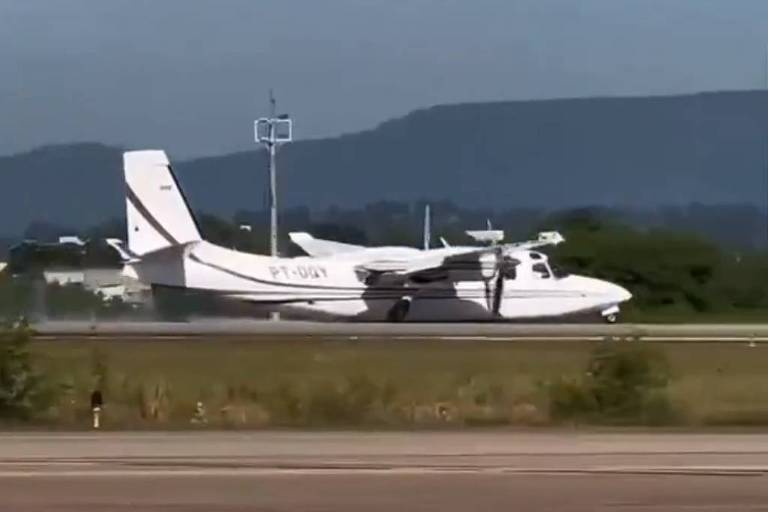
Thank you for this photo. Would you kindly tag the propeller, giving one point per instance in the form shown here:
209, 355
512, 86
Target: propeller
498, 291
504, 264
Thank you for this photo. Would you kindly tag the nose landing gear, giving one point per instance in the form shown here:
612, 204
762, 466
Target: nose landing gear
611, 315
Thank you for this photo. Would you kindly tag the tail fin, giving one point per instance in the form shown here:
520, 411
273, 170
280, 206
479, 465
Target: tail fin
157, 211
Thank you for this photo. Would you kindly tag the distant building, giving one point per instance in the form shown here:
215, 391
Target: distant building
64, 276
71, 261
110, 283
31, 256
74, 240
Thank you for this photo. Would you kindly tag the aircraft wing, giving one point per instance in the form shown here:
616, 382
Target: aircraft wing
317, 247
483, 259
545, 238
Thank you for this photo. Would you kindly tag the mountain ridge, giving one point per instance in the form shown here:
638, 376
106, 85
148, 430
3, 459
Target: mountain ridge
708, 147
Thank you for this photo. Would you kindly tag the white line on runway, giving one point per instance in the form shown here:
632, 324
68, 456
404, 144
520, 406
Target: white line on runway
128, 338
615, 337
422, 470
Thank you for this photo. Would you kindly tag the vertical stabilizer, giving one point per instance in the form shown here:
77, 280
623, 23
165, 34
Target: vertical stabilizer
157, 212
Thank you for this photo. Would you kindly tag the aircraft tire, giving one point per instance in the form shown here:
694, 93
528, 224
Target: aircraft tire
399, 311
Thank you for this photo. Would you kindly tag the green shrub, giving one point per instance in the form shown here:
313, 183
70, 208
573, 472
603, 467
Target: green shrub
623, 384
24, 393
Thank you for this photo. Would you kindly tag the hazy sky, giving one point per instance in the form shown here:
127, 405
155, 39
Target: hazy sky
190, 75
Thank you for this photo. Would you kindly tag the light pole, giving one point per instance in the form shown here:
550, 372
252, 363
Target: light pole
272, 131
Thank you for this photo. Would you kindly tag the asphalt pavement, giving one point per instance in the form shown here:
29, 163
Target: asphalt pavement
345, 471
447, 331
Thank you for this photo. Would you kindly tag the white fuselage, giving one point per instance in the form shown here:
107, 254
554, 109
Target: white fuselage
333, 286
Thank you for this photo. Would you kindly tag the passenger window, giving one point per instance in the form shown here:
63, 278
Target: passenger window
541, 270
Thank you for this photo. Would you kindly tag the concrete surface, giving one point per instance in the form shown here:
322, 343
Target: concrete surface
340, 471
457, 331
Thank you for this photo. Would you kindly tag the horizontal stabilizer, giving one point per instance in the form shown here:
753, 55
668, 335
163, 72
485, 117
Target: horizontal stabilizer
125, 254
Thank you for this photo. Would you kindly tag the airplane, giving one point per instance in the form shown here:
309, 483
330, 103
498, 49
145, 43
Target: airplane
165, 249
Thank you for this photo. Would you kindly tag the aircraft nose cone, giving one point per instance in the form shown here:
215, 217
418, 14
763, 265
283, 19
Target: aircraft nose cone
607, 291
622, 294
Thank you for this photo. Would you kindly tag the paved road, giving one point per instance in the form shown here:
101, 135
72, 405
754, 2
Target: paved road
383, 471
457, 331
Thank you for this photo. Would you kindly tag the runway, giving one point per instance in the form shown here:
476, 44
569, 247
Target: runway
449, 331
345, 471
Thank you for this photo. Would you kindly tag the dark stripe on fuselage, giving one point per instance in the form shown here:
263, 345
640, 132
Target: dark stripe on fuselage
243, 296
234, 273
239, 275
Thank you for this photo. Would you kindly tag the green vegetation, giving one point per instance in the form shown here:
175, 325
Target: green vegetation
24, 393
622, 384
29, 297
16, 296
260, 383
672, 276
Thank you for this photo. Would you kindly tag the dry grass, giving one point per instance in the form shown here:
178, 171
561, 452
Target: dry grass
402, 383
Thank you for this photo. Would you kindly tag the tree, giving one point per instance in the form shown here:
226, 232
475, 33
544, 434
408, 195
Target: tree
23, 392
16, 296
663, 270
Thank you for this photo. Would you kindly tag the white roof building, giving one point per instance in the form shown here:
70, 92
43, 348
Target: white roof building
109, 282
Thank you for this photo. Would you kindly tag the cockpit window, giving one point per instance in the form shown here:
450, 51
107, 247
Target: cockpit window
541, 270
536, 256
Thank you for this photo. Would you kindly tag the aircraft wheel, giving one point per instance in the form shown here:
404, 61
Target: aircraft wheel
399, 311
611, 318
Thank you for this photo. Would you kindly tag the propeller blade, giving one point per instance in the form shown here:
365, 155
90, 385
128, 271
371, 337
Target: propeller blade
498, 294
498, 285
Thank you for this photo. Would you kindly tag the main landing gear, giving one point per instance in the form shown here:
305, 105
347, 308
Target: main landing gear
399, 311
